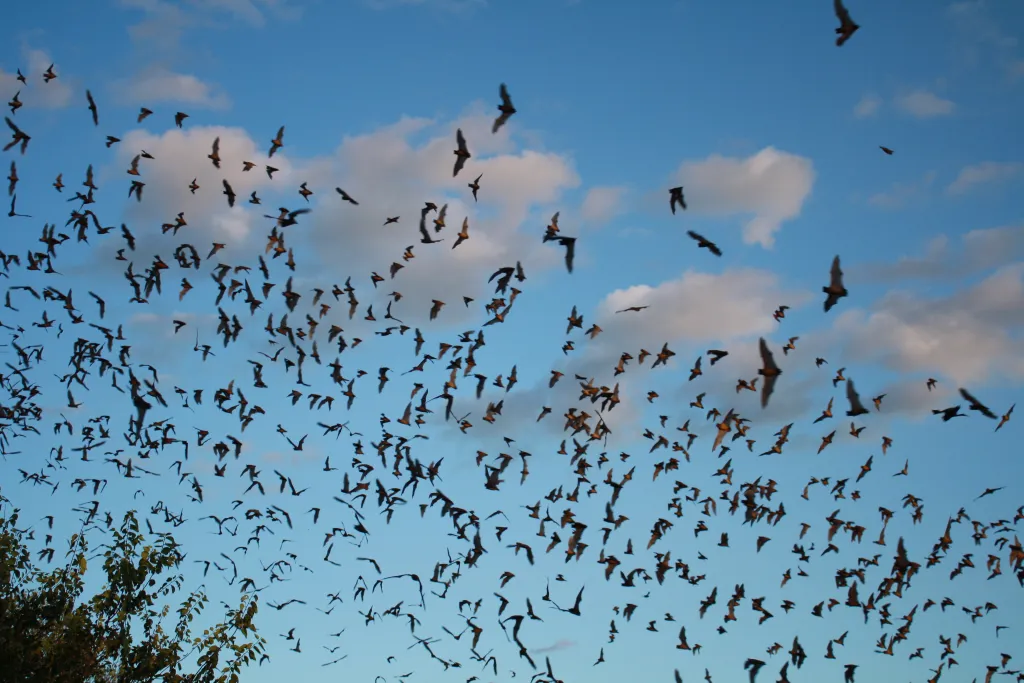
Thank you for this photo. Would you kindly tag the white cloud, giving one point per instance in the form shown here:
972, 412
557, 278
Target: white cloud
162, 27
691, 313
932, 264
389, 175
910, 397
981, 39
602, 204
697, 307
972, 16
772, 185
901, 194
253, 12
867, 106
160, 85
56, 94
979, 250
986, 172
164, 22
179, 157
924, 104
968, 336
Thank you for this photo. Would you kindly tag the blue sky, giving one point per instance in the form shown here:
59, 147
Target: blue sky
774, 133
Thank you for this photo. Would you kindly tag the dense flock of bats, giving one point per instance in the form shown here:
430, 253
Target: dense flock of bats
299, 371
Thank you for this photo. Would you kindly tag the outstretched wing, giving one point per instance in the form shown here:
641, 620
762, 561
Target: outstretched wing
836, 274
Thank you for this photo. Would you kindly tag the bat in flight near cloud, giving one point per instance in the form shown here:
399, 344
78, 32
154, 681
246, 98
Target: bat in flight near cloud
769, 370
675, 197
475, 186
506, 109
847, 27
976, 405
704, 243
92, 108
835, 289
277, 143
461, 152
346, 197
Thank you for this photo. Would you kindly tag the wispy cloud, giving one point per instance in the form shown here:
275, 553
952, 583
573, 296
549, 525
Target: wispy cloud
162, 85
602, 204
163, 24
978, 250
868, 106
969, 334
985, 173
900, 194
981, 40
53, 95
924, 104
556, 646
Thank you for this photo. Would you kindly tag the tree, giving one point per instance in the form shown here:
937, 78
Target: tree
48, 632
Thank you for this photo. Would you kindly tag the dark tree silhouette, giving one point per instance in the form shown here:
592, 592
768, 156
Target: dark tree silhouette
50, 632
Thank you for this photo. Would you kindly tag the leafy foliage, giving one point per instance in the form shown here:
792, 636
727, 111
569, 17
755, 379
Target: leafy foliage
49, 632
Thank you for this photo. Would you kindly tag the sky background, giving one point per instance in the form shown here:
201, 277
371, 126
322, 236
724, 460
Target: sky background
775, 135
